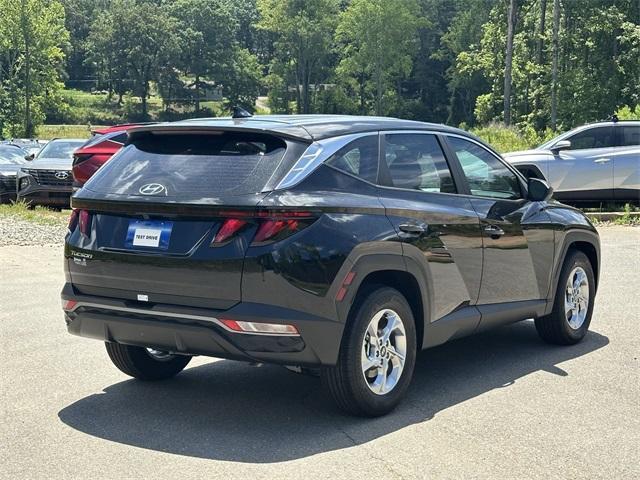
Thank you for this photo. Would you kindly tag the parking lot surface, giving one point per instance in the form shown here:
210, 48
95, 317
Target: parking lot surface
498, 405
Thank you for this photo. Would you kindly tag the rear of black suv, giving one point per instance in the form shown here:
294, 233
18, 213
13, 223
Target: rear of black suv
180, 245
344, 244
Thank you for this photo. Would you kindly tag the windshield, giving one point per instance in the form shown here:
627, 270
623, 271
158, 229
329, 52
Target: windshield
12, 155
201, 165
60, 148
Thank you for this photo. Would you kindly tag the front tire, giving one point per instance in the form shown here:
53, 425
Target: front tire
146, 363
377, 356
568, 322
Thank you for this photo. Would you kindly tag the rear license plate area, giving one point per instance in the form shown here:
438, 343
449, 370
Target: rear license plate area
148, 234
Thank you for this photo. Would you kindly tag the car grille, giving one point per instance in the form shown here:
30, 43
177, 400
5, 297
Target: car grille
48, 177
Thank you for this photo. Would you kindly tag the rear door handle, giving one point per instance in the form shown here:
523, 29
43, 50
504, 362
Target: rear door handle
412, 228
602, 160
494, 231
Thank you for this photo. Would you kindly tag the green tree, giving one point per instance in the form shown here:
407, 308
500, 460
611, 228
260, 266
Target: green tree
105, 56
207, 39
461, 36
588, 69
377, 43
32, 37
303, 31
79, 15
134, 40
242, 81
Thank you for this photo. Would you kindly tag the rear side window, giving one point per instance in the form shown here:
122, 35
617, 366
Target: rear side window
629, 135
416, 162
229, 163
359, 158
600, 137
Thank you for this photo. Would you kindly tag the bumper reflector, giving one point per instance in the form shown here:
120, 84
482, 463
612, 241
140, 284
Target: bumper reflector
68, 305
260, 328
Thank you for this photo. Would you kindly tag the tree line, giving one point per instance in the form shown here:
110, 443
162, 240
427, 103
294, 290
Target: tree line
536, 64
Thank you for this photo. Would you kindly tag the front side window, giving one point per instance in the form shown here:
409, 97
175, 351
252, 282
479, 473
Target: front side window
416, 162
601, 137
359, 158
486, 175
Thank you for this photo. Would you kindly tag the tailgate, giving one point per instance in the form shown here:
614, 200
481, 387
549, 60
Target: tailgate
157, 259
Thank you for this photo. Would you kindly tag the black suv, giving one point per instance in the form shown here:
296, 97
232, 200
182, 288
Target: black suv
336, 244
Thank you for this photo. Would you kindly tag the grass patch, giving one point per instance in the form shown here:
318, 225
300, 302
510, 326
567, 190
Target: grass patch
627, 218
40, 215
47, 132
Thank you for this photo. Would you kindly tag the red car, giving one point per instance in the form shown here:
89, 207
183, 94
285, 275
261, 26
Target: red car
92, 155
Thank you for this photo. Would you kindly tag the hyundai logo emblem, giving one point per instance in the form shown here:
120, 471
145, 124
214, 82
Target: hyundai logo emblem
62, 175
152, 189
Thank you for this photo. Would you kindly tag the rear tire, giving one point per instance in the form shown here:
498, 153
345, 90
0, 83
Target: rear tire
143, 364
568, 322
380, 335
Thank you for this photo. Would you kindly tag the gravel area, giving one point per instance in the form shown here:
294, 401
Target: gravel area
16, 231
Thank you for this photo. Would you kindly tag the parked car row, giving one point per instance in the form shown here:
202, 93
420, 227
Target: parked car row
47, 173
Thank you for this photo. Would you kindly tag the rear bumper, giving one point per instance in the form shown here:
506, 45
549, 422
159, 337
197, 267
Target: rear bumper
198, 331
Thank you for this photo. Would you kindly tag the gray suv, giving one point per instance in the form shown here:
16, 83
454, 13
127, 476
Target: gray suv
47, 180
592, 163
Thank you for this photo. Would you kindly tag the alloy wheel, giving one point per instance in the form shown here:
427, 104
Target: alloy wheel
576, 299
384, 351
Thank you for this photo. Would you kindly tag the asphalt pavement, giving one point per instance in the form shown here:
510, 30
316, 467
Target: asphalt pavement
498, 405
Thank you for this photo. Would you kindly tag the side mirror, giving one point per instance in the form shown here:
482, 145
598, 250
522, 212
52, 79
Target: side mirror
30, 157
561, 145
539, 190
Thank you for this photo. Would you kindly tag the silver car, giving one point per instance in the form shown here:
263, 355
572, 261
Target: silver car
593, 163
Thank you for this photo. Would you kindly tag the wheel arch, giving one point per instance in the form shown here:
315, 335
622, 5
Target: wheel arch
592, 254
391, 270
583, 240
407, 285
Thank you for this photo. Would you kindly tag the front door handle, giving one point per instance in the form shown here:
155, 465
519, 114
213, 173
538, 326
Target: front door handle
602, 160
412, 228
494, 231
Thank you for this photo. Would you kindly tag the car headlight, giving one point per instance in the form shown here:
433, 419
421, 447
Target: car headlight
24, 183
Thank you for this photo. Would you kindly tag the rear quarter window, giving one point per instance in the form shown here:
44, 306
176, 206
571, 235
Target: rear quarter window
228, 163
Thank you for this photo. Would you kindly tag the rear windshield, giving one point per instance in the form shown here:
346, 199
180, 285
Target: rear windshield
178, 165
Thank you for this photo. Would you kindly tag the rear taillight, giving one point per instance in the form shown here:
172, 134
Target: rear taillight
229, 228
68, 305
272, 226
84, 222
271, 229
73, 220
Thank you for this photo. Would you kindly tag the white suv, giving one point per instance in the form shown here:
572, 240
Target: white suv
595, 162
